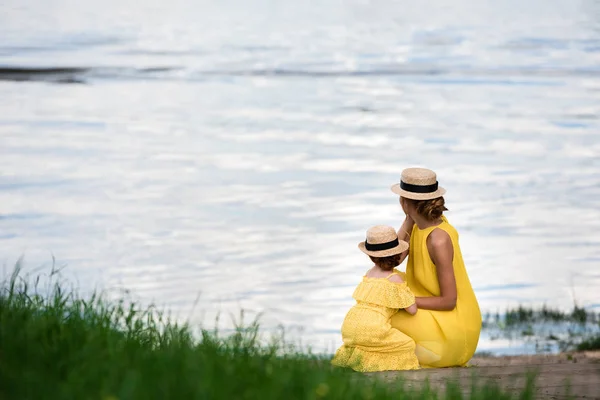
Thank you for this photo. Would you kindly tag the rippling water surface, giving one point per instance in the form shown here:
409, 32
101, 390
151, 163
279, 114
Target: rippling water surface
236, 151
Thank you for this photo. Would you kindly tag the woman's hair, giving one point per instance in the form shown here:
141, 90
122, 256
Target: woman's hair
430, 209
387, 263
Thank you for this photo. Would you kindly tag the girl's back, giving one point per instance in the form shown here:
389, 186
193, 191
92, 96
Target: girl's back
370, 342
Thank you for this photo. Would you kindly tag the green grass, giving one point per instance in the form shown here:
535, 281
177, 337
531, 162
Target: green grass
592, 343
62, 346
551, 329
526, 315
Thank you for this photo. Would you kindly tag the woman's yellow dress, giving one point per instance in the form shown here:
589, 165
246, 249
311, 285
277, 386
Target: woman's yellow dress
443, 338
370, 342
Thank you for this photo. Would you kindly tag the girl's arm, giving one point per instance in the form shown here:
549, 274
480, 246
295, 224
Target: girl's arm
404, 234
441, 251
412, 309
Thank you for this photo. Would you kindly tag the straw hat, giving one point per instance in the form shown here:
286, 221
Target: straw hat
418, 184
382, 241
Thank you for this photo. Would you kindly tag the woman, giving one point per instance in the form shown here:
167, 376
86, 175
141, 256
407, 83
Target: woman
446, 328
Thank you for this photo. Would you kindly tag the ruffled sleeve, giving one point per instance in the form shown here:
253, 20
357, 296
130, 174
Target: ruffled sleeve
384, 293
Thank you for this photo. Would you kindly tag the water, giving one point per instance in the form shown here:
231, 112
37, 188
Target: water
213, 156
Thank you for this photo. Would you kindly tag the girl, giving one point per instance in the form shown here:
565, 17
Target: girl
370, 342
446, 329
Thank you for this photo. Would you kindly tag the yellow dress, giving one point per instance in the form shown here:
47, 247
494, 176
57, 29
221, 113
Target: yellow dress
370, 342
443, 338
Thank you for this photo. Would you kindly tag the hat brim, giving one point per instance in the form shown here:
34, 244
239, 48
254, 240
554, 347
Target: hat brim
402, 247
418, 196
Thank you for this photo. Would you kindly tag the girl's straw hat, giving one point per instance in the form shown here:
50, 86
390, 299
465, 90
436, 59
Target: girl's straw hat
418, 184
382, 241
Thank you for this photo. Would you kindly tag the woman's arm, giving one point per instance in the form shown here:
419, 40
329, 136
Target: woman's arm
441, 252
404, 234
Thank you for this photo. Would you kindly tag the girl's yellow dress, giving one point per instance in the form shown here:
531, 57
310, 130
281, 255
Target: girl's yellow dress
443, 338
370, 342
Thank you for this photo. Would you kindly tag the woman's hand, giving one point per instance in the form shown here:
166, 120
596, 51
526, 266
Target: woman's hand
441, 252
412, 309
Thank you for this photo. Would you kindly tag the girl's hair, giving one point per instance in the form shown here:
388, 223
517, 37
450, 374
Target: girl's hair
387, 263
430, 209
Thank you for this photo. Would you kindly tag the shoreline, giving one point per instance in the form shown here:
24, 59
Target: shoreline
575, 374
118, 348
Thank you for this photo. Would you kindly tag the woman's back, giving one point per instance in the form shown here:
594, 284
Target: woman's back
421, 273
443, 338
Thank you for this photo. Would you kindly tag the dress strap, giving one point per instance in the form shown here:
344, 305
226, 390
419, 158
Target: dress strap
393, 273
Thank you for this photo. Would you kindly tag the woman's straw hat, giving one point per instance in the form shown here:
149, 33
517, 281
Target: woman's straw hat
382, 241
418, 184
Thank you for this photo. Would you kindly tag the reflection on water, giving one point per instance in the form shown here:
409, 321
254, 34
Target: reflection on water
239, 152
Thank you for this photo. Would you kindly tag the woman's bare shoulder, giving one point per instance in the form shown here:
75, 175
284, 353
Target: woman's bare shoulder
439, 238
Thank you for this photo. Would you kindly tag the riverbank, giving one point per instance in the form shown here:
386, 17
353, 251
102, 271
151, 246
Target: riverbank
55, 345
574, 375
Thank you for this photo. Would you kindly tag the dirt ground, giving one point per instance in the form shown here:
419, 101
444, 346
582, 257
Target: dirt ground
557, 376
